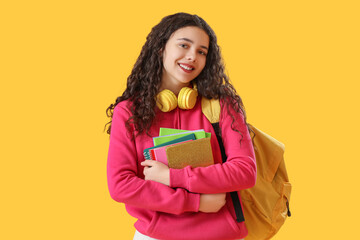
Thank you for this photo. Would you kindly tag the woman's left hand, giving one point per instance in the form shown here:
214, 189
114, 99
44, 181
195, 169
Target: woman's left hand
156, 171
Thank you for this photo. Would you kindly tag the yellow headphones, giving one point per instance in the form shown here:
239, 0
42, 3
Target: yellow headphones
166, 100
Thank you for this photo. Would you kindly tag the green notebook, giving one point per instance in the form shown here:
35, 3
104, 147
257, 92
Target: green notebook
169, 131
169, 137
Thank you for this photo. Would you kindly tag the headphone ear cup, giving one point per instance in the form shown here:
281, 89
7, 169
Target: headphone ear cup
187, 98
166, 100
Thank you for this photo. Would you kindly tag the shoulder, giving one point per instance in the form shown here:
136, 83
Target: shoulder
123, 108
122, 112
232, 117
230, 107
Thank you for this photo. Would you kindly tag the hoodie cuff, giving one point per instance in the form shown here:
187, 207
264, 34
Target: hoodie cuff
194, 202
179, 178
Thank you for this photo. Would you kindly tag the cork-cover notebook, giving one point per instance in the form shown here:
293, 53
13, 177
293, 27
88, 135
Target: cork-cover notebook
197, 153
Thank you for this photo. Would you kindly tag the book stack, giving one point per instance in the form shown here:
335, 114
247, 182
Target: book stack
180, 148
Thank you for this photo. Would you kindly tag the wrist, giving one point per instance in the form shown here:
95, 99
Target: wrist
167, 177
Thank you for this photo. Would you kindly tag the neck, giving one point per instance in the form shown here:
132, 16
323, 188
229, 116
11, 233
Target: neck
175, 87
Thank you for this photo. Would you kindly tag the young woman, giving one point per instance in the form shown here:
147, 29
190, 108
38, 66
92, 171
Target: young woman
180, 52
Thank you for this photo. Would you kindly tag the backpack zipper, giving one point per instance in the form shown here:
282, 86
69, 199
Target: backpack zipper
288, 208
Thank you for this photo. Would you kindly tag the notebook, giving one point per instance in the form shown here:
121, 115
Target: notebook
159, 154
187, 137
166, 138
169, 131
197, 153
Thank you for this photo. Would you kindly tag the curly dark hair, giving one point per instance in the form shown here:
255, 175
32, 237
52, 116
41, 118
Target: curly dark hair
143, 84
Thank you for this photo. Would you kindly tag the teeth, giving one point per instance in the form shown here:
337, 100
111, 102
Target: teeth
187, 68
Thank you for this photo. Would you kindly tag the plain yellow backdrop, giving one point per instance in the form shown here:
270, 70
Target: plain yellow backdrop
294, 63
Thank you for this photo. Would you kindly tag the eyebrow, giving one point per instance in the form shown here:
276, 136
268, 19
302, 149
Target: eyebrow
188, 40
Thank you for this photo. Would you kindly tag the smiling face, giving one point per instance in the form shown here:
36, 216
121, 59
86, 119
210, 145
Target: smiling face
184, 57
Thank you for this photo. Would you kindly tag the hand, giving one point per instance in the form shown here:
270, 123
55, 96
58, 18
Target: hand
212, 202
156, 171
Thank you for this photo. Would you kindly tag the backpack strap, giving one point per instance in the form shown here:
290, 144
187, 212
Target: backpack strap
211, 109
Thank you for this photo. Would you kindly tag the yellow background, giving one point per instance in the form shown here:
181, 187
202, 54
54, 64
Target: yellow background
294, 63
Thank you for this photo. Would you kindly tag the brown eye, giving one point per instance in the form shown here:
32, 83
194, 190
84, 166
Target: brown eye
202, 53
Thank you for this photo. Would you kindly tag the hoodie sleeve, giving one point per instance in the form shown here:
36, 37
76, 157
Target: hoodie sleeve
122, 174
237, 173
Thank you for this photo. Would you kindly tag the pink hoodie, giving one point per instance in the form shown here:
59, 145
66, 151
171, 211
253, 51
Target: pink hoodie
172, 213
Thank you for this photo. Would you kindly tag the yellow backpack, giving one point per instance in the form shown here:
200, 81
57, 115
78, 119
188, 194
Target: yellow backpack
266, 205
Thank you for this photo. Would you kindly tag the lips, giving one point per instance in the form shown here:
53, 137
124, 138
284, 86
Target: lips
186, 67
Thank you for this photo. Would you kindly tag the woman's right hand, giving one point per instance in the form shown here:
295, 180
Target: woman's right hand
212, 202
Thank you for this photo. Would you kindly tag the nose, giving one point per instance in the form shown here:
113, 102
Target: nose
191, 56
